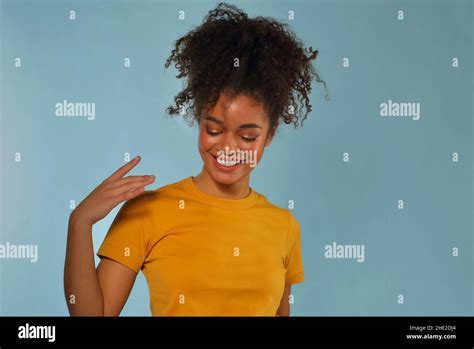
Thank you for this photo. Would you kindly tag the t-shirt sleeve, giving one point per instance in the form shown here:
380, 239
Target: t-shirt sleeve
294, 260
127, 237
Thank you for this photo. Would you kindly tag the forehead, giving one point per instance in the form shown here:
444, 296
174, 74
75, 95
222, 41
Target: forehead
238, 110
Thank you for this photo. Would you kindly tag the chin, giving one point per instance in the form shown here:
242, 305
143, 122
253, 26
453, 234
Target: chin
226, 179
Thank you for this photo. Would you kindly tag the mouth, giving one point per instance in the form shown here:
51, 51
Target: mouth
226, 166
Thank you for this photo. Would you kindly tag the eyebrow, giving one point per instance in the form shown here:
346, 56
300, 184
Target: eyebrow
220, 122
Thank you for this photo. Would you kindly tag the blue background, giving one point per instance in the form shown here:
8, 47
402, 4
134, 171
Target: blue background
407, 251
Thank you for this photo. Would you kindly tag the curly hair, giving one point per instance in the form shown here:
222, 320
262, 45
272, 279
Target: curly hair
273, 66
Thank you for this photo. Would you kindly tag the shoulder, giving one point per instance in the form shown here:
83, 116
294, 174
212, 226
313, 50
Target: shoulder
150, 199
277, 212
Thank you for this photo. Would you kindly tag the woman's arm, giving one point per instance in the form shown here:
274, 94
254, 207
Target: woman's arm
90, 291
81, 284
101, 291
284, 308
116, 282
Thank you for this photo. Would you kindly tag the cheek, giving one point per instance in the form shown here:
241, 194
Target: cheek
256, 147
260, 148
205, 141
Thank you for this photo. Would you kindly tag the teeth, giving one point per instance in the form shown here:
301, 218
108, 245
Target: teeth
226, 163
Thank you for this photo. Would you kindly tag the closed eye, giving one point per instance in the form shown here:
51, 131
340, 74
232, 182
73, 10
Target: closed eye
248, 139
212, 132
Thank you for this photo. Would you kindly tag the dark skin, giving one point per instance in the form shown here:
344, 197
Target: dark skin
238, 123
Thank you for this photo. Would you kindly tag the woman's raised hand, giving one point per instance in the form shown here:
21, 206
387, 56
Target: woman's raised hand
111, 192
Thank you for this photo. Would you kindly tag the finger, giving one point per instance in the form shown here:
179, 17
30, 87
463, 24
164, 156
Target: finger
122, 181
128, 195
130, 185
124, 169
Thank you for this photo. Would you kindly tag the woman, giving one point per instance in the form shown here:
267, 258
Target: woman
208, 244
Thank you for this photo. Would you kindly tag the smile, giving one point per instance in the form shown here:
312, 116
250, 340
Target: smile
226, 166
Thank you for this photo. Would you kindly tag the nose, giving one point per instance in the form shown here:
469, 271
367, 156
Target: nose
229, 141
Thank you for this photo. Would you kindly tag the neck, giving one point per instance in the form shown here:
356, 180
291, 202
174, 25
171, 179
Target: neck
208, 185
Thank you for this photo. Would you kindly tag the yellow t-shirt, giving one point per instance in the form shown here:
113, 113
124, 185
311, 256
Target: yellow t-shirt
205, 255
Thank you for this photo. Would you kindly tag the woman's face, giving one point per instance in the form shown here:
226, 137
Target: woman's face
234, 130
